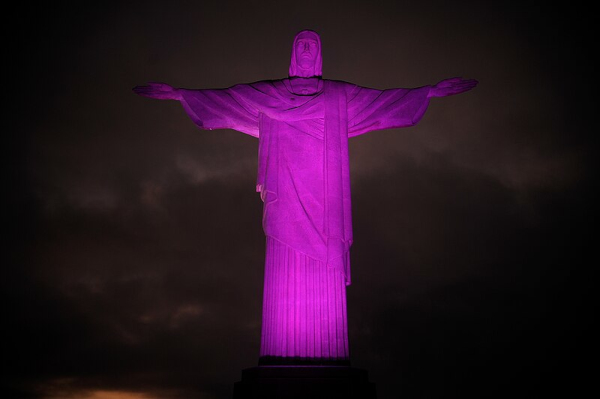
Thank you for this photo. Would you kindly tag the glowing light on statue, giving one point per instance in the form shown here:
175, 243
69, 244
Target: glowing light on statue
303, 124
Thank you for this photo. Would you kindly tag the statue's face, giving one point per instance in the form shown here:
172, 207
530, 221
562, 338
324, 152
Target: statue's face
307, 49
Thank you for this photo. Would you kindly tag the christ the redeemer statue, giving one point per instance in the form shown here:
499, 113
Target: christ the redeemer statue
303, 124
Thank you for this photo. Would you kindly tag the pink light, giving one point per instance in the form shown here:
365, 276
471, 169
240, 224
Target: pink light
304, 308
303, 124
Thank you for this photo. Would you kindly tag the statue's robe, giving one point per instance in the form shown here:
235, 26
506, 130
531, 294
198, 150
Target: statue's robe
304, 181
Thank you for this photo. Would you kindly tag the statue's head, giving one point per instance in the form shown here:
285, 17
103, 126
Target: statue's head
306, 55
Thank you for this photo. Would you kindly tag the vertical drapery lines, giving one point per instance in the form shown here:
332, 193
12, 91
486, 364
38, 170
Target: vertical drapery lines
304, 308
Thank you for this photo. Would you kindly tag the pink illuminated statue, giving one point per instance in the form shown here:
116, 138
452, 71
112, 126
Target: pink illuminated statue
303, 124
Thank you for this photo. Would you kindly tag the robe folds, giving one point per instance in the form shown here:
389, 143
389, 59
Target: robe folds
303, 175
304, 182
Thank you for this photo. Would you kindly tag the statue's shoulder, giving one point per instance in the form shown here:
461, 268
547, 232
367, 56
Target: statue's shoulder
271, 87
268, 85
340, 85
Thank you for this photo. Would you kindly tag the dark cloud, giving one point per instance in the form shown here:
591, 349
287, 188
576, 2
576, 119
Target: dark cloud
134, 265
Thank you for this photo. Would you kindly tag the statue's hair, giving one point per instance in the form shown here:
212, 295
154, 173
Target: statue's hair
318, 60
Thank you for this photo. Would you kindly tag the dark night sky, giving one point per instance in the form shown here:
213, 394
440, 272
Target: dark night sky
135, 264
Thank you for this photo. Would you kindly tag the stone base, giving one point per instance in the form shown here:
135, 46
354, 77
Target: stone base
315, 382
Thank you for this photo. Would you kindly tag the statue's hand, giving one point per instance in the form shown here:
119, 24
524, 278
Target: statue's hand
449, 87
160, 91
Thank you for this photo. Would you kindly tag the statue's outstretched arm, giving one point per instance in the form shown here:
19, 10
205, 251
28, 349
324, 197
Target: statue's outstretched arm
211, 109
452, 86
159, 91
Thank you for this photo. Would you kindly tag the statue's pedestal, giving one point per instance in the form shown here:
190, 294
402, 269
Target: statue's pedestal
315, 382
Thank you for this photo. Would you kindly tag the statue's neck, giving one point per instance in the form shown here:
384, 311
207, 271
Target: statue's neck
305, 86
